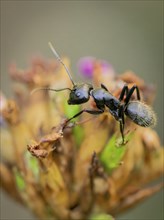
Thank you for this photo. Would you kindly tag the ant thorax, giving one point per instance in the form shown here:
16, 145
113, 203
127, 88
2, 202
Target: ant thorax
104, 97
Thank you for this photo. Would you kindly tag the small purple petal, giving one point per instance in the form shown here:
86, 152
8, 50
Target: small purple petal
86, 66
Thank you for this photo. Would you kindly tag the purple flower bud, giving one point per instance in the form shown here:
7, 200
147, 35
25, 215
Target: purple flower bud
86, 66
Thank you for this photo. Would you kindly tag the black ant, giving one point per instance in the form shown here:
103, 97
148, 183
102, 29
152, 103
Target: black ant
137, 111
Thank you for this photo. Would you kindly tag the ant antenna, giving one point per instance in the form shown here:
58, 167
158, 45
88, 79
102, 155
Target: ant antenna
48, 89
60, 60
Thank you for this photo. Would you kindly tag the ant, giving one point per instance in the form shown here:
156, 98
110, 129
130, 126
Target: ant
137, 111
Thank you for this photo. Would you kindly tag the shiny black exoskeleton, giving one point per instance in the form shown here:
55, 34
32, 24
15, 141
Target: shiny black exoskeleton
137, 111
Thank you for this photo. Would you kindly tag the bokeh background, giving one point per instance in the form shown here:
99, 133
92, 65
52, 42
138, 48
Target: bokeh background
128, 34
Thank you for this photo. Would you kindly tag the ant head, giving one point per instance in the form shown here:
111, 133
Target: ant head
80, 93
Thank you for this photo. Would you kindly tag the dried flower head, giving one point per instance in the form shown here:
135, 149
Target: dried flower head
80, 172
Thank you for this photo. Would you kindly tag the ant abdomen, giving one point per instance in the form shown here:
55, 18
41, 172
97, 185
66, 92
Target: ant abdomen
140, 113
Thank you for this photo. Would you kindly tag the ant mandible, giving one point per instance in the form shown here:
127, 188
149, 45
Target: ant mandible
137, 111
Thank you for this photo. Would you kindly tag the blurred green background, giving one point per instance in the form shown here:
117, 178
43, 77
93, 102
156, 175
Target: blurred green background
128, 34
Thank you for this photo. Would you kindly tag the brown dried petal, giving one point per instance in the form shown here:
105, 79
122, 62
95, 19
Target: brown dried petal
7, 147
136, 197
8, 182
131, 77
45, 146
150, 139
11, 112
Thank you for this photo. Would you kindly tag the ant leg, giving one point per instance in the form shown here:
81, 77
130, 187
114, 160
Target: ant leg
129, 95
104, 87
122, 130
124, 90
93, 112
122, 122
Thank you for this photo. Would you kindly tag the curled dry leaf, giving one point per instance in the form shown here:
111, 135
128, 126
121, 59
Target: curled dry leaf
45, 146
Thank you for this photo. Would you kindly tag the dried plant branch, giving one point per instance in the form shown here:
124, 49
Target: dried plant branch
80, 169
